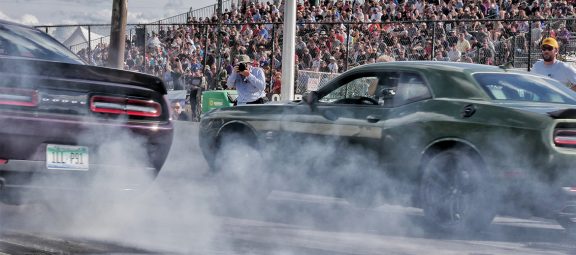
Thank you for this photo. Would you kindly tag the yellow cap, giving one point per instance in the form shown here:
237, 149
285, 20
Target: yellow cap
550, 41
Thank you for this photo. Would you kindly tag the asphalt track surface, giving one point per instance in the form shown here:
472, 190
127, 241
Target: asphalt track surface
179, 217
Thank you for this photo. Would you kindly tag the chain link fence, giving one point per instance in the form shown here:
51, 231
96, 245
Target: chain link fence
179, 51
312, 80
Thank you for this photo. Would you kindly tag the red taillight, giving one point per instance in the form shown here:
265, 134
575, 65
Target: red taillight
565, 138
3, 161
18, 97
573, 189
126, 106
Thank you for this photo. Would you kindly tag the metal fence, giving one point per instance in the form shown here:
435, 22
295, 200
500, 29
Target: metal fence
210, 11
84, 38
208, 49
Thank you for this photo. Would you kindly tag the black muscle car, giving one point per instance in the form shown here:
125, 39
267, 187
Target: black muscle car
65, 124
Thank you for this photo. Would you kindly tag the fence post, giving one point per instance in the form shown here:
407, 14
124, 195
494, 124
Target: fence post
433, 53
529, 45
548, 29
89, 45
219, 38
46, 28
513, 48
477, 54
347, 46
206, 49
145, 46
272, 56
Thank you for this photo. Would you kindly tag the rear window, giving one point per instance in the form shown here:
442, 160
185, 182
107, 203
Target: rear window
524, 87
17, 41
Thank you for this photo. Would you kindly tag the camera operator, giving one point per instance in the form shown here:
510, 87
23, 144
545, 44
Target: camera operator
249, 81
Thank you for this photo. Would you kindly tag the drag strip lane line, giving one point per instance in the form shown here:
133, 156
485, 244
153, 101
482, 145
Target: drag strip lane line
17, 248
66, 245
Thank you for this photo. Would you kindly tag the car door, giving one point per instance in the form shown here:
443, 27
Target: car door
350, 110
404, 132
341, 131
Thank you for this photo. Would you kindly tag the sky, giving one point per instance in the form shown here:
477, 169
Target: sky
54, 12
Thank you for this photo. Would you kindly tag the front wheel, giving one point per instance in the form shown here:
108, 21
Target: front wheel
455, 192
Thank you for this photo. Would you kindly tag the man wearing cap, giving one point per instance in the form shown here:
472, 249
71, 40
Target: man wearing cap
553, 68
249, 82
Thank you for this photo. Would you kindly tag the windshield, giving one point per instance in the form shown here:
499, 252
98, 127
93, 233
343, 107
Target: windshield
524, 87
17, 41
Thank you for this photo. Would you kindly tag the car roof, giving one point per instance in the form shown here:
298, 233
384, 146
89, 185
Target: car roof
439, 65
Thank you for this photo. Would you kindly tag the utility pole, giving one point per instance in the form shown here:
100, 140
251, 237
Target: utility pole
288, 52
117, 34
219, 47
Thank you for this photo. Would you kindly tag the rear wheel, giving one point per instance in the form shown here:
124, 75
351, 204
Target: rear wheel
240, 174
455, 192
13, 198
567, 218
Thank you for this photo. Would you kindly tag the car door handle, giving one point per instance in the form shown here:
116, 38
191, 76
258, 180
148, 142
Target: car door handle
373, 119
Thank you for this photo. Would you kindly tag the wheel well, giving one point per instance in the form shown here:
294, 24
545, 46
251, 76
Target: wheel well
243, 130
232, 131
450, 144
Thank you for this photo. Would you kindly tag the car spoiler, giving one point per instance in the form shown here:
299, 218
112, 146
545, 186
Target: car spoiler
79, 71
568, 113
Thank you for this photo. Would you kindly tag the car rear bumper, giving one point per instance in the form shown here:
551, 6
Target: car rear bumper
122, 155
26, 137
35, 174
30, 181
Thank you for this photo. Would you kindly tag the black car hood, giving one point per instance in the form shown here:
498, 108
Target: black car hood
78, 71
556, 111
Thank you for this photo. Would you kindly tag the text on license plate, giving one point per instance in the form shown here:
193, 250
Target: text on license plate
66, 157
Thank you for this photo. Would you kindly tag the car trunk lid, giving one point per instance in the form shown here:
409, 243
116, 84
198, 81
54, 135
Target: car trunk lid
85, 72
556, 111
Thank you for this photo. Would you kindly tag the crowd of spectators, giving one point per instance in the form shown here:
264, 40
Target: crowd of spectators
335, 35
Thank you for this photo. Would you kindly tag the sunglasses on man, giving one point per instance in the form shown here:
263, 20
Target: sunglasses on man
547, 48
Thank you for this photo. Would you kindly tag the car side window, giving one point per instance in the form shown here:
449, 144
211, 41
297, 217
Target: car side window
350, 92
411, 88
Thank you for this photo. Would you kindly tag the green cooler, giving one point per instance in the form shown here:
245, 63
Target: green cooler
212, 99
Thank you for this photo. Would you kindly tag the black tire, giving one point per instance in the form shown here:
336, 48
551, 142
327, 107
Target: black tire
455, 193
13, 198
564, 218
240, 174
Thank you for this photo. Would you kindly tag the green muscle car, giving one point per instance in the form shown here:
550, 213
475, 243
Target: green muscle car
464, 141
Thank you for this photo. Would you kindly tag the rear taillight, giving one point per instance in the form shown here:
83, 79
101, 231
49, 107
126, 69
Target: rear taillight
565, 138
125, 106
18, 97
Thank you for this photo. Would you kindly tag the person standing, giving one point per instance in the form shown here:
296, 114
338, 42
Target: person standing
552, 67
249, 82
178, 112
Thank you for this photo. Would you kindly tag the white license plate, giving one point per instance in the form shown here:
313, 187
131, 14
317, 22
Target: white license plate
66, 157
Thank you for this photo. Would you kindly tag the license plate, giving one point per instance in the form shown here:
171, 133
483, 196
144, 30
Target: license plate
66, 157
